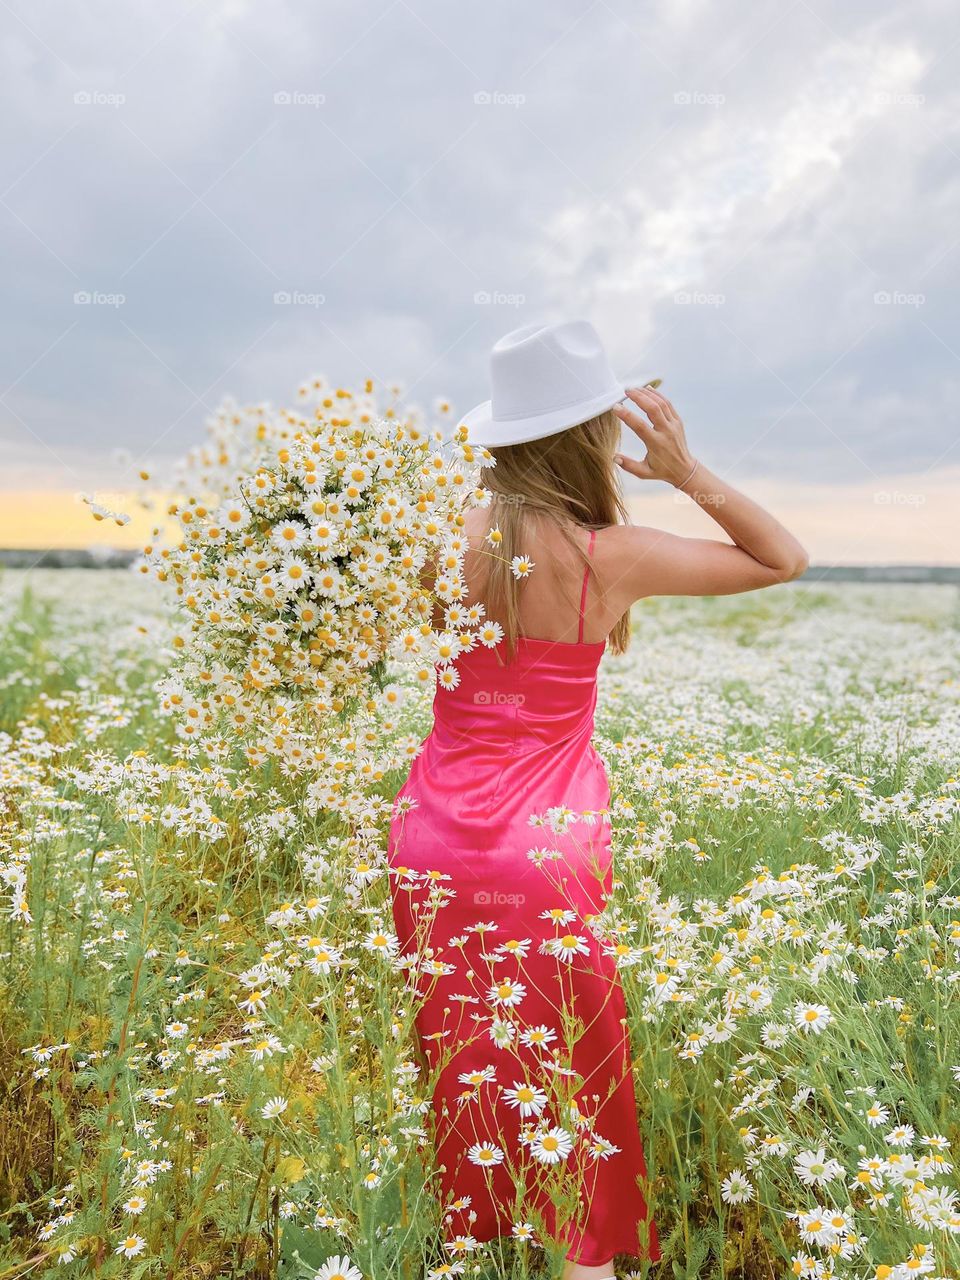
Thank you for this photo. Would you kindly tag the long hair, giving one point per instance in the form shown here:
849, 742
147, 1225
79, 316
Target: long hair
567, 478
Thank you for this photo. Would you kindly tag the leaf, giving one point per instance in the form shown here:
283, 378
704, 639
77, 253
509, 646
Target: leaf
289, 1170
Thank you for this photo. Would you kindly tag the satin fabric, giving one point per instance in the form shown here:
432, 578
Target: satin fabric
509, 742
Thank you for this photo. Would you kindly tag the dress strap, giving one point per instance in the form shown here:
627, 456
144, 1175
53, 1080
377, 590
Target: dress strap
583, 593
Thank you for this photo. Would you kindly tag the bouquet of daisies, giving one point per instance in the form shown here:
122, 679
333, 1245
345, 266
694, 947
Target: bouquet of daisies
301, 587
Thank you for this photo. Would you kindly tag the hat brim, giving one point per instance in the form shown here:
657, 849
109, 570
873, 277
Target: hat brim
484, 429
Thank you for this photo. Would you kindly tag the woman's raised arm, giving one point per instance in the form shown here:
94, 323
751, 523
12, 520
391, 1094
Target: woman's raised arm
658, 563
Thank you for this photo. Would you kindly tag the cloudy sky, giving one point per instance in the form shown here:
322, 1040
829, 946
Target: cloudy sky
758, 202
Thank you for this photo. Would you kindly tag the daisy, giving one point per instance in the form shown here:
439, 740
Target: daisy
294, 571
736, 1188
538, 1037
902, 1136
131, 1246
518, 947
552, 1146
602, 1148
567, 946
485, 1153
337, 1268
811, 1017
476, 1078
461, 1244
814, 1169
265, 1048
490, 634
136, 1204
274, 1107
446, 1269
876, 1114
507, 993
324, 536
288, 534
526, 1098
383, 943
521, 566
815, 1228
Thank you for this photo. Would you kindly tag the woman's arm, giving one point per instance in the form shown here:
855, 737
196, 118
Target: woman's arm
658, 563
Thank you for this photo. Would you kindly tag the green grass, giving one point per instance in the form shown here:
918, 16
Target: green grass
785, 770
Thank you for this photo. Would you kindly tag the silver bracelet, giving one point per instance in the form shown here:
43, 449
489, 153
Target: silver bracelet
690, 476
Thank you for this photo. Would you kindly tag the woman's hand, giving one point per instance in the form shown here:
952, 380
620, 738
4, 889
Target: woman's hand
661, 430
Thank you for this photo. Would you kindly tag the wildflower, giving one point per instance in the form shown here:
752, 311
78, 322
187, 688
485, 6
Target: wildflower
811, 1017
815, 1170
736, 1188
526, 1098
131, 1246
337, 1268
552, 1146
485, 1153
274, 1107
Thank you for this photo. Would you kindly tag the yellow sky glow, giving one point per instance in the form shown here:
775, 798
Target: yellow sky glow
905, 519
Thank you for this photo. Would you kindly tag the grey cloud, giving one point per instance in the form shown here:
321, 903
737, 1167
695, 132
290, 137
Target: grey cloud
579, 185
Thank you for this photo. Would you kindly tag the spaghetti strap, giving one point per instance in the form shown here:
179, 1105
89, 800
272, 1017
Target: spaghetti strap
583, 593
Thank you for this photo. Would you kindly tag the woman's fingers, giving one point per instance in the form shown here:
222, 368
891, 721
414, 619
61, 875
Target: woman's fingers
635, 466
636, 424
667, 406
651, 406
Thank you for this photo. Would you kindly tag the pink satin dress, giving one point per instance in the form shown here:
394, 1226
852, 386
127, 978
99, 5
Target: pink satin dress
520, 1012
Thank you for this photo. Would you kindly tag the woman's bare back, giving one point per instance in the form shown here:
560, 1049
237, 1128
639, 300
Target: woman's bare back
549, 598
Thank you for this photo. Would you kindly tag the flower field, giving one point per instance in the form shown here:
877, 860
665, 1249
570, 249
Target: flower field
207, 1064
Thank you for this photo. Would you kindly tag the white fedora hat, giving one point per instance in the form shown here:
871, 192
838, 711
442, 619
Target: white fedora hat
543, 379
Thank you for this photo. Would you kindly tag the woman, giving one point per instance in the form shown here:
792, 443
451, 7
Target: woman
499, 852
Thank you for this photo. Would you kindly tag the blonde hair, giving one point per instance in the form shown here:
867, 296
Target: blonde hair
568, 478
